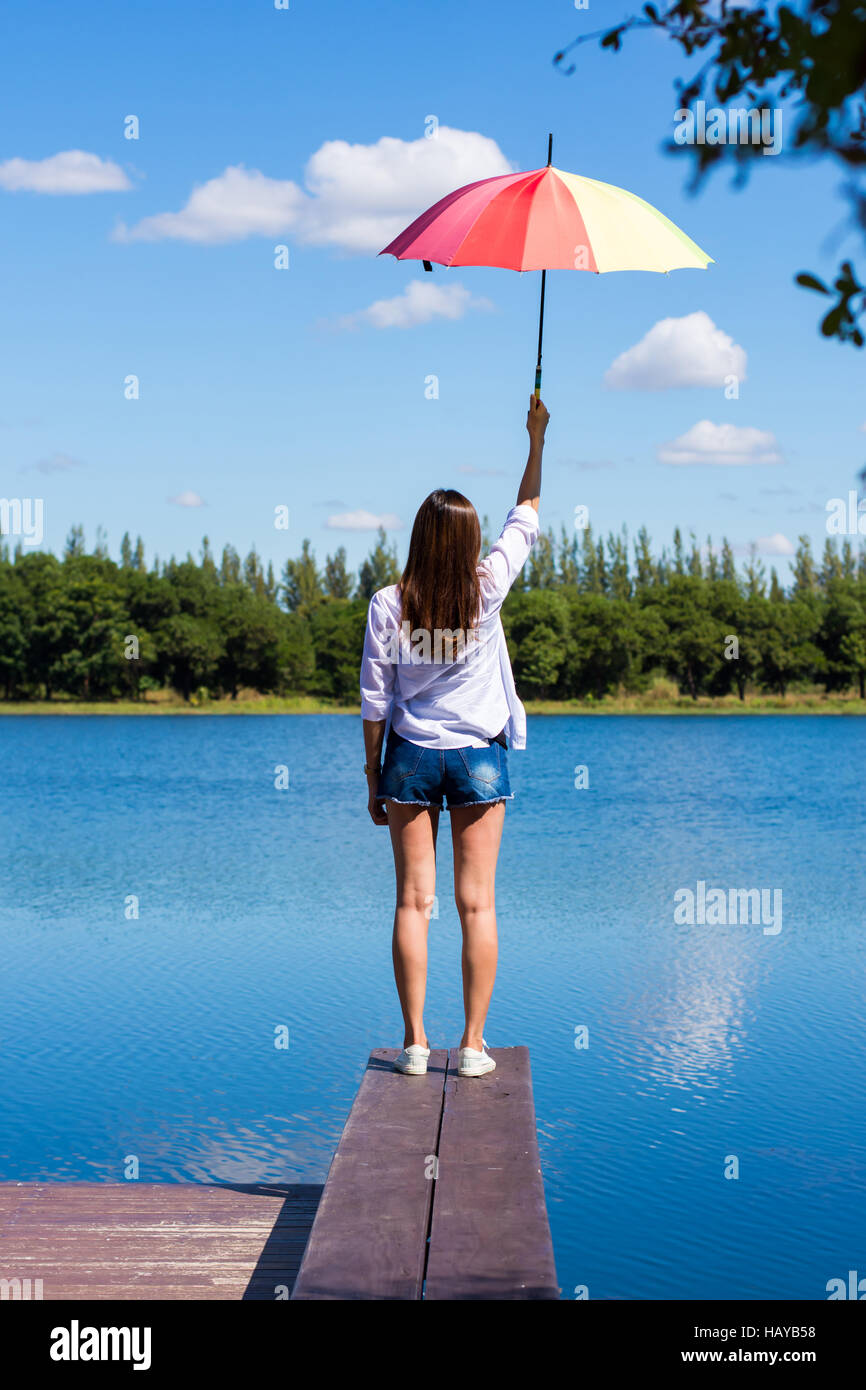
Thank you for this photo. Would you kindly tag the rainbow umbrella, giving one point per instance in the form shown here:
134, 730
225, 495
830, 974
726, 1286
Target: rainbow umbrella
546, 219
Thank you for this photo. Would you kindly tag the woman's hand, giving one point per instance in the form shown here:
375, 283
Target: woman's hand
376, 808
536, 420
374, 737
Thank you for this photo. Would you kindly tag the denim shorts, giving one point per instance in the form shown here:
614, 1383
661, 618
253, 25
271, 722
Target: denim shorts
416, 776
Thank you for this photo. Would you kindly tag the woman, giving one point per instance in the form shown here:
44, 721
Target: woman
435, 662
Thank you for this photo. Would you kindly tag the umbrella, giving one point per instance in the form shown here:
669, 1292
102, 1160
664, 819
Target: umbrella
546, 219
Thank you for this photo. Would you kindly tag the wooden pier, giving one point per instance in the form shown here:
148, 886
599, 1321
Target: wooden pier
142, 1240
435, 1192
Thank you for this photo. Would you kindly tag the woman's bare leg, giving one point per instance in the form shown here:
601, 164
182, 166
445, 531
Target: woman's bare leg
413, 840
476, 832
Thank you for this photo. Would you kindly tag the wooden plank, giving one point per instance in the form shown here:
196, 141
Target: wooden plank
138, 1240
490, 1236
369, 1237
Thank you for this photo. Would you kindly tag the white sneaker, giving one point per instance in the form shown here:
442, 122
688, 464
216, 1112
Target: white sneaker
472, 1063
412, 1061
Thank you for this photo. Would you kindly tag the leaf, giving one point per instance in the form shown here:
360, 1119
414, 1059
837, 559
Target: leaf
811, 282
830, 325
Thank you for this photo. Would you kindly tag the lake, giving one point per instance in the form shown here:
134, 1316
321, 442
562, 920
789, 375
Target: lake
168, 913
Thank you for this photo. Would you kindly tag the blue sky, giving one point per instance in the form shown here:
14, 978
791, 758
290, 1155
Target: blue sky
261, 387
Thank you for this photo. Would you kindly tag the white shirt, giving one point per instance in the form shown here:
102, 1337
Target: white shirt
450, 704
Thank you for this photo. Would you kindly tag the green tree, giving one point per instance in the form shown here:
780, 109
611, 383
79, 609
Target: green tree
42, 576
569, 559
254, 574
192, 649
15, 624
74, 542
302, 583
379, 569
254, 647
337, 581
337, 630
230, 565
805, 576
695, 648
592, 576
788, 649
298, 656
645, 566
842, 636
91, 626
603, 648
536, 628
541, 565
619, 580
737, 616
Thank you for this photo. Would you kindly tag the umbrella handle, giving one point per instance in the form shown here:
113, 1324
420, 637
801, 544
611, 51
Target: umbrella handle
540, 337
541, 306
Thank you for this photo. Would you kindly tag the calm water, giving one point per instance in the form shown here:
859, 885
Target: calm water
261, 907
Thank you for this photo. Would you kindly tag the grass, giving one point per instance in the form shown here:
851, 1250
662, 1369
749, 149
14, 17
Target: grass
817, 703
166, 702
662, 697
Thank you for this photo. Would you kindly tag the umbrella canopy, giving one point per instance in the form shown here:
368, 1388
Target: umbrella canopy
547, 219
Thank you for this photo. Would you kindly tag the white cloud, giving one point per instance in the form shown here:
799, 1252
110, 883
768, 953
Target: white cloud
721, 444
421, 301
239, 203
363, 195
71, 171
356, 197
689, 351
777, 544
363, 521
188, 499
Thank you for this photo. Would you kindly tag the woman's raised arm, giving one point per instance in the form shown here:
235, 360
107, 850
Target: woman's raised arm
529, 491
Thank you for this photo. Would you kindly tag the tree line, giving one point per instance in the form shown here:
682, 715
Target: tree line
587, 617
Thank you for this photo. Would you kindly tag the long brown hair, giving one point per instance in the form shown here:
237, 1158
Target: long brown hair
439, 589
